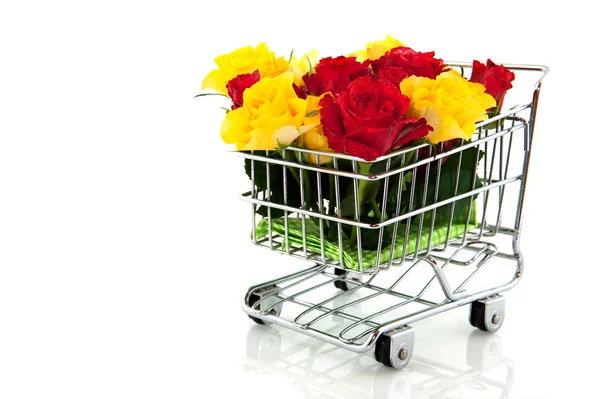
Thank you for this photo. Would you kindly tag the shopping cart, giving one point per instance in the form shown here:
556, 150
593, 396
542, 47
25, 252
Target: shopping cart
450, 233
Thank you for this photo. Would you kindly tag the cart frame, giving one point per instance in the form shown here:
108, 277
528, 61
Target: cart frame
490, 238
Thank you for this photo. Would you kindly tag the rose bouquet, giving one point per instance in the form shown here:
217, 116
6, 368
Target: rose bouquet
370, 105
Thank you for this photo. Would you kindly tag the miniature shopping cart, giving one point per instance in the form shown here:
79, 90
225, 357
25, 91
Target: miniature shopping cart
449, 235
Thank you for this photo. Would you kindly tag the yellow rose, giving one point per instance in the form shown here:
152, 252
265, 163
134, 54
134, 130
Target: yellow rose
451, 104
272, 114
312, 110
314, 139
299, 67
244, 60
376, 49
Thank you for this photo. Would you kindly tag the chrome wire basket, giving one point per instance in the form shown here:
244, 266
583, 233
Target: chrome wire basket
445, 214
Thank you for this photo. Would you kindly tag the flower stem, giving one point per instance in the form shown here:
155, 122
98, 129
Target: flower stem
330, 208
290, 157
363, 168
307, 189
376, 210
331, 205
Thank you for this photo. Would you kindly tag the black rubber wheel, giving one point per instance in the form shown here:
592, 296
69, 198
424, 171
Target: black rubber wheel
253, 299
382, 350
477, 317
339, 284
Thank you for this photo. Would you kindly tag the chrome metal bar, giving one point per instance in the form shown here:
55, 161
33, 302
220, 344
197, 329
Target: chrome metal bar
285, 202
386, 183
529, 139
472, 198
338, 204
253, 194
321, 210
303, 205
433, 212
357, 216
486, 194
453, 204
268, 199
398, 206
423, 203
503, 176
410, 207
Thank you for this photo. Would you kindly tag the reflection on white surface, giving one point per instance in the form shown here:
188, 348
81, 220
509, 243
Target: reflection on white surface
464, 366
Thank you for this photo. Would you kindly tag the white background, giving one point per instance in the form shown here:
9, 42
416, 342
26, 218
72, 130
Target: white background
124, 253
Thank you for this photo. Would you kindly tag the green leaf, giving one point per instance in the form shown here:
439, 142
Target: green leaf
227, 110
282, 147
211, 94
291, 55
312, 113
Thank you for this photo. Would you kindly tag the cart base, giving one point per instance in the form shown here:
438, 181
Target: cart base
359, 313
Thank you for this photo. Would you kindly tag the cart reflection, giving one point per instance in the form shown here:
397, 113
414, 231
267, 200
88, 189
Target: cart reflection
462, 367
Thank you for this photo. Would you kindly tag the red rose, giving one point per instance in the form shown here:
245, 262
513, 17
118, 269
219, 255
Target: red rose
367, 120
301, 91
496, 79
415, 63
335, 74
394, 75
236, 86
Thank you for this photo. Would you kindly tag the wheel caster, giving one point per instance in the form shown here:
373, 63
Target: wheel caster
488, 314
266, 306
344, 285
394, 349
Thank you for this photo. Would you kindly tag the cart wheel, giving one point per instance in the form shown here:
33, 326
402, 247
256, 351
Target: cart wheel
253, 299
394, 349
267, 304
344, 285
487, 314
339, 284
